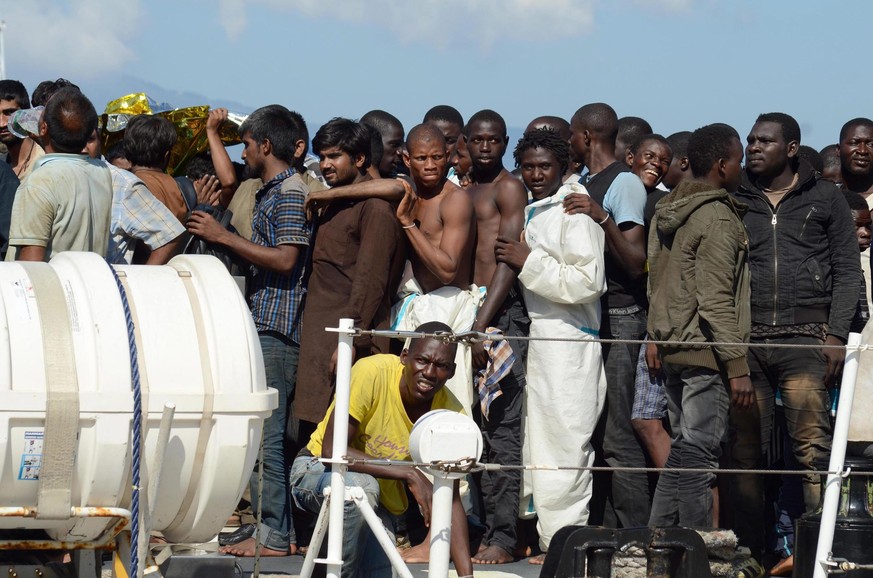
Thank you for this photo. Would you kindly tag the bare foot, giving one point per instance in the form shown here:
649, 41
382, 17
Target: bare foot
246, 549
492, 555
537, 560
417, 554
784, 568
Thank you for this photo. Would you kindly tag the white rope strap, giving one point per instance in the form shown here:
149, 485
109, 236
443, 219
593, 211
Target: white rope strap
62, 394
208, 399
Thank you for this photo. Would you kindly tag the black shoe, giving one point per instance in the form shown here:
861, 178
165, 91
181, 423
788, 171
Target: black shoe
244, 532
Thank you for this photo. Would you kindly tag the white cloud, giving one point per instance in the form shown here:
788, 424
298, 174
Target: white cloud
441, 22
78, 39
232, 16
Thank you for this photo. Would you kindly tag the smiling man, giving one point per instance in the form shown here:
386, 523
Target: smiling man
388, 395
805, 284
649, 158
357, 261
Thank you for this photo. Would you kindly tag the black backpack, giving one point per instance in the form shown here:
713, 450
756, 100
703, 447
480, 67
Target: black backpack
195, 245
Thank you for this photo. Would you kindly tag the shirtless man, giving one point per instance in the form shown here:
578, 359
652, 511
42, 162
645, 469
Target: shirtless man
437, 217
440, 225
499, 200
437, 220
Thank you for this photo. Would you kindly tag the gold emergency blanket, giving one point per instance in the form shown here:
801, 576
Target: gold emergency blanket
190, 123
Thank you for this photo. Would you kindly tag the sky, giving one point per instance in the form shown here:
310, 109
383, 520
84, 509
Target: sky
680, 64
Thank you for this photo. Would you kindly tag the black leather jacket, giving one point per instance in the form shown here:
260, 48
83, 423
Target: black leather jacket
803, 254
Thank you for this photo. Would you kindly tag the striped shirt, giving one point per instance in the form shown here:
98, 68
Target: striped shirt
137, 215
275, 299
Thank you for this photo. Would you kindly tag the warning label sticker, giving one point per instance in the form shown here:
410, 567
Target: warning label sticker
31, 457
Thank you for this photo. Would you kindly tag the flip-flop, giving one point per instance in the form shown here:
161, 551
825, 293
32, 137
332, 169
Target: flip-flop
244, 532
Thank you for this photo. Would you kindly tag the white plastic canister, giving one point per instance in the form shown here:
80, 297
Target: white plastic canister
197, 348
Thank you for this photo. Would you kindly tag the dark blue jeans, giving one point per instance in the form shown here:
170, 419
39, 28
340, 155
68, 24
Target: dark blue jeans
697, 404
280, 366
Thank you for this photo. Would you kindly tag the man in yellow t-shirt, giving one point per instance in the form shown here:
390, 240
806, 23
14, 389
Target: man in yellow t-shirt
388, 394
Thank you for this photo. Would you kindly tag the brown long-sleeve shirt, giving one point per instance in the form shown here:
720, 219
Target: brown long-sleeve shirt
357, 261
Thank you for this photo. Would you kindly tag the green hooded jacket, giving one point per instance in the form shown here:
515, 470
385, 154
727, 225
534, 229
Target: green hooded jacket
699, 278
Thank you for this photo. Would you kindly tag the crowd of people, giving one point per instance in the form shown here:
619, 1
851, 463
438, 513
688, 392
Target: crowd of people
603, 230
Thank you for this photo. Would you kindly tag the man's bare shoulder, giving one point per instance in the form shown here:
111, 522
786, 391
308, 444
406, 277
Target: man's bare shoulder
455, 196
505, 183
508, 188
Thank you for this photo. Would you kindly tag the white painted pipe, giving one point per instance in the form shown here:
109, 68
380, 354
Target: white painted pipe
838, 455
379, 532
317, 538
340, 448
440, 527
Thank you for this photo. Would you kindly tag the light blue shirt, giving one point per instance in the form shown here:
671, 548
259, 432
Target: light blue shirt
625, 200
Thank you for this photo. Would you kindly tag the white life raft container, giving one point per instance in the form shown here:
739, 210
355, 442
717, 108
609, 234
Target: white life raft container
65, 366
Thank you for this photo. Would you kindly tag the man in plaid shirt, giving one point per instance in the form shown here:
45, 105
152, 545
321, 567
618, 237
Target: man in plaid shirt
137, 215
273, 139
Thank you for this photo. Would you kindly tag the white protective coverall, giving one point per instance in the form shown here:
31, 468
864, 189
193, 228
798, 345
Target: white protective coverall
456, 308
563, 279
